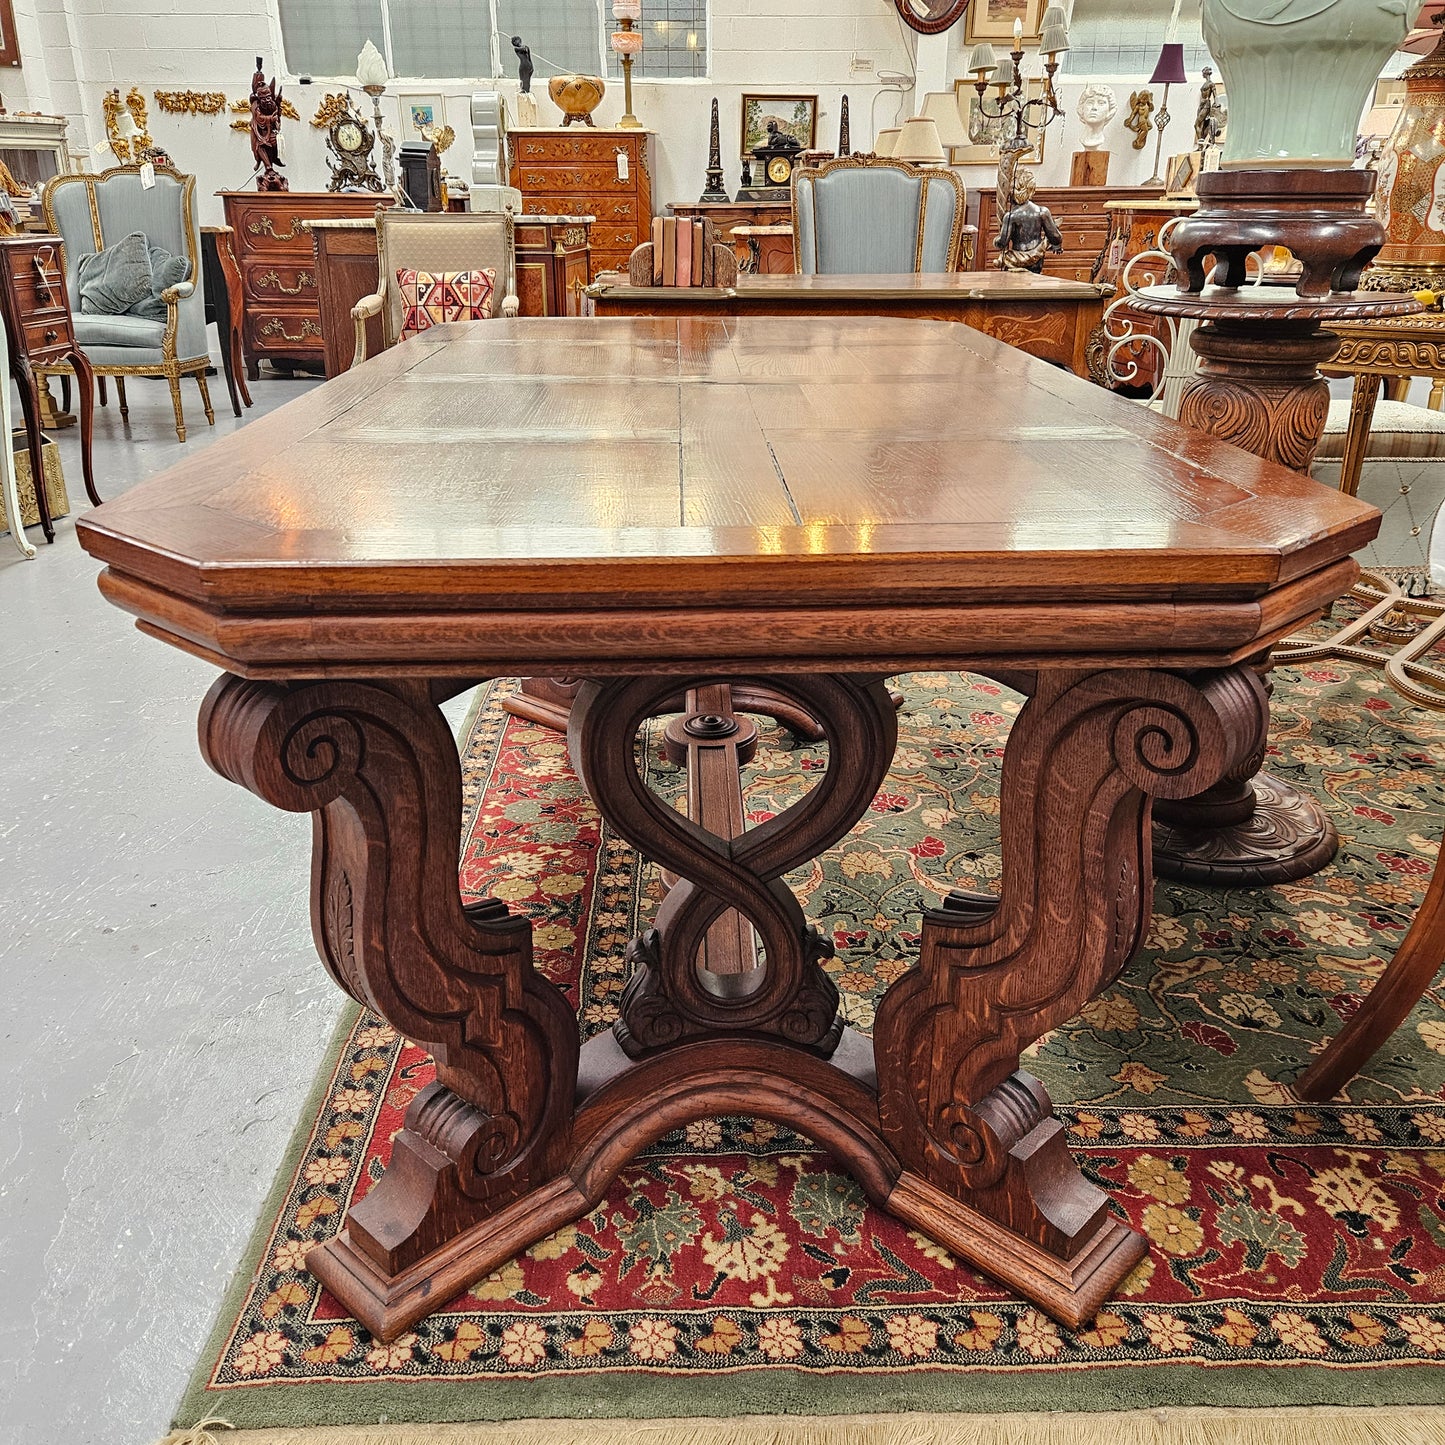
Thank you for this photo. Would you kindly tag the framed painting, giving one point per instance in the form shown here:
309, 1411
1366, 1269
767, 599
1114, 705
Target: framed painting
986, 154
420, 111
796, 116
9, 41
994, 19
1183, 174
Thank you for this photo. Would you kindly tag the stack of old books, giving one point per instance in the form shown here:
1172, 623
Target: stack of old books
682, 252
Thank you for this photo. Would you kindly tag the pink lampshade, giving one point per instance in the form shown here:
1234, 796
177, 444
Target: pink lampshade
1170, 67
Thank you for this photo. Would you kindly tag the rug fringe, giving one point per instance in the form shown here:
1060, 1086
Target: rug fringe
1318, 1425
200, 1432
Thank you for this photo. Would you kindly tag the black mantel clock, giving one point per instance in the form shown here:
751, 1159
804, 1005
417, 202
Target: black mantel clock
931, 16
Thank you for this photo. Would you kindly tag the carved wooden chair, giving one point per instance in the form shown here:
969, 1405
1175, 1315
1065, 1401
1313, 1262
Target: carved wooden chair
91, 212
435, 241
869, 214
1399, 634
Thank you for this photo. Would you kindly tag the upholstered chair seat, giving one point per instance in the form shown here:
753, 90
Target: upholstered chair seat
91, 213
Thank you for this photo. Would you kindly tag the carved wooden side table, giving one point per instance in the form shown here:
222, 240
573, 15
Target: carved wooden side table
796, 504
1259, 386
41, 338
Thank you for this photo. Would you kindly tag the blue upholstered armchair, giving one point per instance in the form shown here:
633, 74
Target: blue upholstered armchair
862, 215
90, 213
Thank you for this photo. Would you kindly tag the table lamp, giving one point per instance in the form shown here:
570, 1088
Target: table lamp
1168, 71
626, 44
943, 109
371, 76
886, 140
919, 143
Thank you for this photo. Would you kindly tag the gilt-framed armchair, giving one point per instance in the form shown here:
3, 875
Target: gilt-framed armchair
863, 214
91, 212
435, 241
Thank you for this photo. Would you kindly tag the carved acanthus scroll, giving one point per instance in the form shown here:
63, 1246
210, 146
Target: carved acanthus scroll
376, 766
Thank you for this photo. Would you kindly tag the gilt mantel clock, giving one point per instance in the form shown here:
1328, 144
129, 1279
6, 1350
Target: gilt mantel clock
350, 142
931, 16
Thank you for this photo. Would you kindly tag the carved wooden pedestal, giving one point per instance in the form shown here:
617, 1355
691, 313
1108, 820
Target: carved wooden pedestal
522, 1132
1259, 386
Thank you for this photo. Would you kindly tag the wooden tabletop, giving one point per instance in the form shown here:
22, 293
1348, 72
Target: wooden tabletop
628, 494
929, 288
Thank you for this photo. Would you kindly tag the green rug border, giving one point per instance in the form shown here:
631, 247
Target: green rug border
750, 1390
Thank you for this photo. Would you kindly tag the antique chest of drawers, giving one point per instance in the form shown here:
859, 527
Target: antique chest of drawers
606, 174
1082, 221
281, 307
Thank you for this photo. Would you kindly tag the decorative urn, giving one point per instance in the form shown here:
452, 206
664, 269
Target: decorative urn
1298, 73
1410, 185
577, 96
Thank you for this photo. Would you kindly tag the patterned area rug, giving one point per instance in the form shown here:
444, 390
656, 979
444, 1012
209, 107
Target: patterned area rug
1297, 1253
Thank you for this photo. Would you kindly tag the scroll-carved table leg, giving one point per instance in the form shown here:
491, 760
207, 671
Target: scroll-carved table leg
987, 1169
376, 766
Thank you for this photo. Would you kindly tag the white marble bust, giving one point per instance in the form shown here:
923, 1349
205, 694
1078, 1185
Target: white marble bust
1096, 108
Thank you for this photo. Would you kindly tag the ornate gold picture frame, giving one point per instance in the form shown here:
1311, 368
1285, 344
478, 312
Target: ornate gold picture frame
994, 19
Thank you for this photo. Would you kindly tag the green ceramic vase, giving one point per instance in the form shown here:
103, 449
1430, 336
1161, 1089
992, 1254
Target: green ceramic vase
1298, 74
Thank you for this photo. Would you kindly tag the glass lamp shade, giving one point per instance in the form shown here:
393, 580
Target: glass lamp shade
1298, 77
885, 141
1169, 69
919, 143
370, 67
627, 10
981, 59
625, 42
1410, 185
125, 126
942, 108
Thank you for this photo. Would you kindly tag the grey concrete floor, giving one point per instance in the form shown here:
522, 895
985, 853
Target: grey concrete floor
163, 1010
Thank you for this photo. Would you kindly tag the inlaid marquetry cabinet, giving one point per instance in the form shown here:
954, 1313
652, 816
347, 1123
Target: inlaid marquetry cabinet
579, 171
281, 307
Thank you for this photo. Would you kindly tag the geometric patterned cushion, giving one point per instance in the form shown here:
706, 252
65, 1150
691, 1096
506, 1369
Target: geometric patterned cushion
1397, 430
427, 300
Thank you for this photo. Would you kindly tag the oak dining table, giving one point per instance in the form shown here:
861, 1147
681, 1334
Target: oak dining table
673, 512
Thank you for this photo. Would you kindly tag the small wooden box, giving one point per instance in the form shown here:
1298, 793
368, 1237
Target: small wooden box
55, 491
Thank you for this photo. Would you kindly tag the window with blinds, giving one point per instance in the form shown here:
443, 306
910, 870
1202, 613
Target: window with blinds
471, 39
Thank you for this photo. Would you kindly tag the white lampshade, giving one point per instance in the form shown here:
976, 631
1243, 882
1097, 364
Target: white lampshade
941, 107
125, 126
1054, 40
1004, 75
981, 58
918, 142
370, 67
1054, 15
885, 142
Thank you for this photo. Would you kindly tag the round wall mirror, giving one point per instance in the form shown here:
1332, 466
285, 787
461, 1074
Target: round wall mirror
931, 16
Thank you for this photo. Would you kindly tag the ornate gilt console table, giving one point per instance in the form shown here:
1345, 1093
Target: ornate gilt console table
802, 504
1389, 350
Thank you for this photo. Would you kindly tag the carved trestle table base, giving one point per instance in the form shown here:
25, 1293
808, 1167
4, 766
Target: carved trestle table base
790, 556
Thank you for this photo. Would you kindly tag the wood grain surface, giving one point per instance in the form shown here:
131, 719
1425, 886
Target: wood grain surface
875, 493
